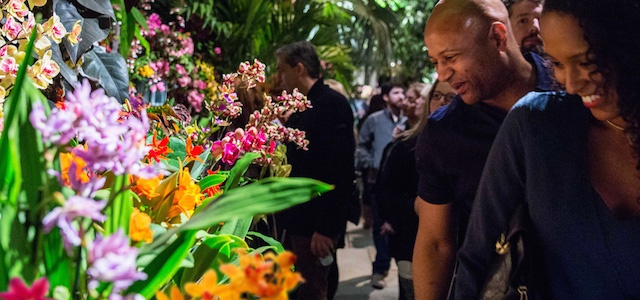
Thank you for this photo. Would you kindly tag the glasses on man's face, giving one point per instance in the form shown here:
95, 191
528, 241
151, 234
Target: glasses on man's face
447, 97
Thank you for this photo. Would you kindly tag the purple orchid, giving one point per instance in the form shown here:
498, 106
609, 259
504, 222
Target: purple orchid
113, 260
75, 207
111, 141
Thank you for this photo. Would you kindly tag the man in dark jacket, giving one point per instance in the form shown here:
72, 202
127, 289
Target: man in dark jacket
312, 229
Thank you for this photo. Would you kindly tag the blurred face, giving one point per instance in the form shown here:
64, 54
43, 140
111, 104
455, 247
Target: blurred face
287, 75
413, 105
568, 53
465, 59
442, 96
525, 24
395, 97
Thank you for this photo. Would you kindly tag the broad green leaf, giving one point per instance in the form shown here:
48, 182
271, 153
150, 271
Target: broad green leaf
238, 227
264, 196
100, 6
111, 71
164, 266
91, 29
269, 240
239, 169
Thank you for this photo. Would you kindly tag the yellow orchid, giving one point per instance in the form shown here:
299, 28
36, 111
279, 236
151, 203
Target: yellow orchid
17, 9
43, 71
54, 29
74, 35
33, 3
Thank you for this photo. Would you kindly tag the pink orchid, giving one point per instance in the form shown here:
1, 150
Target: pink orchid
195, 98
184, 81
9, 66
17, 9
230, 154
19, 291
200, 84
165, 29
272, 147
154, 22
11, 28
181, 70
217, 50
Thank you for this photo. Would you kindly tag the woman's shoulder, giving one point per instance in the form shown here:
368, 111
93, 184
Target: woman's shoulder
547, 109
549, 103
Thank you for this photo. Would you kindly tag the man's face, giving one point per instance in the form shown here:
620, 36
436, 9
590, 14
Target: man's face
465, 59
287, 74
525, 24
395, 97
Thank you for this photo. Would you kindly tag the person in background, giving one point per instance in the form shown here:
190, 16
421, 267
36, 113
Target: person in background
397, 183
375, 134
474, 50
524, 16
312, 229
439, 95
572, 160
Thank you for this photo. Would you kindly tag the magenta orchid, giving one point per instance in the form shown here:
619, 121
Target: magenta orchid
18, 290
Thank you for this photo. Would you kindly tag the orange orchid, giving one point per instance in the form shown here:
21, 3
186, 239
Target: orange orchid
193, 152
175, 294
186, 197
209, 289
65, 162
147, 187
213, 190
139, 226
269, 278
159, 148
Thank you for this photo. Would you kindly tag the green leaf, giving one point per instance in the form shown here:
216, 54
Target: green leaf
211, 180
265, 196
269, 240
239, 169
164, 266
99, 6
57, 263
238, 227
207, 253
111, 71
143, 41
119, 212
91, 31
198, 167
137, 15
16, 113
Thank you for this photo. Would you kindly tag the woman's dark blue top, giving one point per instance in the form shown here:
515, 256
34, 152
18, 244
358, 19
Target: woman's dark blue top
540, 157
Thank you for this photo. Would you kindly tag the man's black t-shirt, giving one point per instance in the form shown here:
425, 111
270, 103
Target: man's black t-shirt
453, 148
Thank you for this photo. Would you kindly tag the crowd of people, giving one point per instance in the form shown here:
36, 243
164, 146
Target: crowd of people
515, 174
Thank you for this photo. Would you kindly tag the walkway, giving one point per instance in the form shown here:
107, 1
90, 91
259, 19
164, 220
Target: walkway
354, 262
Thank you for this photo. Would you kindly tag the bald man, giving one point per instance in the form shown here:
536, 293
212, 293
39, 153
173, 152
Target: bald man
473, 48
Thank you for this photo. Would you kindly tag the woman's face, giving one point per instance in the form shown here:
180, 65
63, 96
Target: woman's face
567, 48
413, 104
442, 96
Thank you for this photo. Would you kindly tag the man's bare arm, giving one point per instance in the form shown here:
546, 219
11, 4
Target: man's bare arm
434, 250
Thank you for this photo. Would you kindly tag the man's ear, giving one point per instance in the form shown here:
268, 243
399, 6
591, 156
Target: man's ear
498, 35
300, 70
385, 98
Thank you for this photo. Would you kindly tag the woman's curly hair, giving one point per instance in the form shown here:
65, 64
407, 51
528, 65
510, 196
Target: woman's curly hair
611, 28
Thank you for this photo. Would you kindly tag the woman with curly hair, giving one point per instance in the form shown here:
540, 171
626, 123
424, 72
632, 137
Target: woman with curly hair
572, 161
